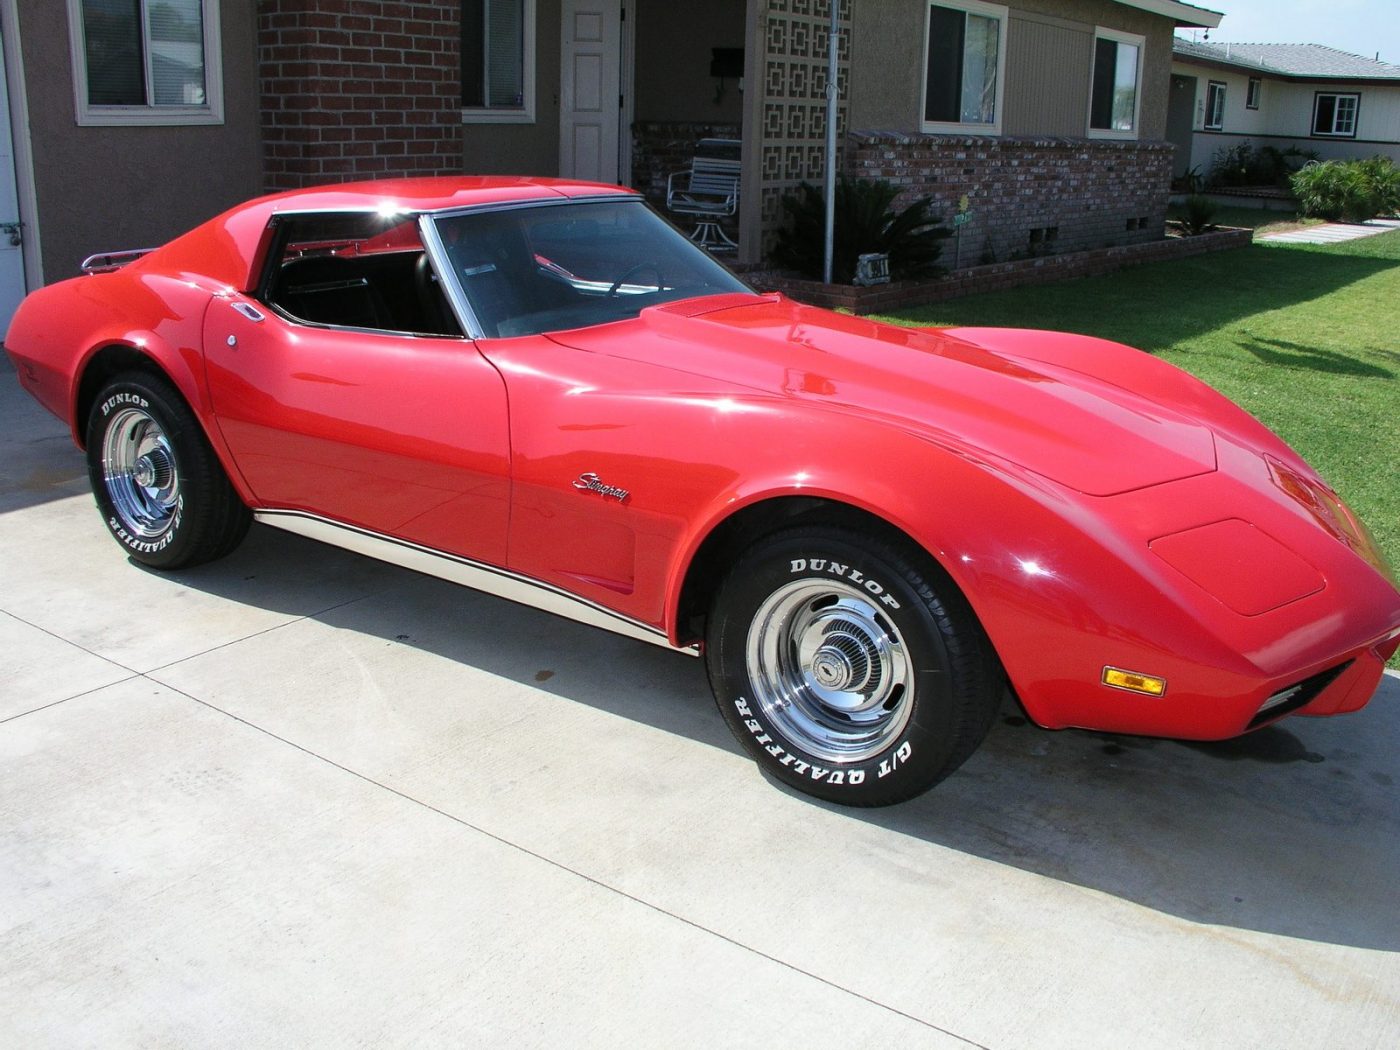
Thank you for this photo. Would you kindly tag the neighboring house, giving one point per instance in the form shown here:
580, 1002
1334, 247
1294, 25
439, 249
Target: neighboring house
132, 120
1305, 96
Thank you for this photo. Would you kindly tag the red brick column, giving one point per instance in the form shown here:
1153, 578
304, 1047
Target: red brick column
357, 89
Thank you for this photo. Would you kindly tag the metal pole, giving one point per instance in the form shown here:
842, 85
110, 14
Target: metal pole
832, 40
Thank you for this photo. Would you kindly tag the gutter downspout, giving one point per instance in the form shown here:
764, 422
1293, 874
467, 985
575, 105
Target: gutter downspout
832, 40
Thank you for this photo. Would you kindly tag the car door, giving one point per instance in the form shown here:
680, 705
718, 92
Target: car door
402, 435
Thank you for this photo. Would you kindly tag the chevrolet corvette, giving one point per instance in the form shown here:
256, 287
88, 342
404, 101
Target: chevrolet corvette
871, 534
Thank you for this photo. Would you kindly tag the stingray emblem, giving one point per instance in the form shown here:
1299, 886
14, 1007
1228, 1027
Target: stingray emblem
593, 483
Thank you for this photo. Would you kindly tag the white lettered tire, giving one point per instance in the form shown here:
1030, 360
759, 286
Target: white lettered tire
159, 487
851, 669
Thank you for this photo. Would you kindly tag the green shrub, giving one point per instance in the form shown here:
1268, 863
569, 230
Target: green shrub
1352, 190
866, 221
1198, 214
1244, 165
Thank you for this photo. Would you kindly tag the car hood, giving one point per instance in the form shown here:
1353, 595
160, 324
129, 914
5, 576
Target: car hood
1093, 435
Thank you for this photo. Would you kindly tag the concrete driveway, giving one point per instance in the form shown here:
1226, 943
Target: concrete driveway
296, 798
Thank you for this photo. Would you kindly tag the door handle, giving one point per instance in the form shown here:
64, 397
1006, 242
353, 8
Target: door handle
248, 310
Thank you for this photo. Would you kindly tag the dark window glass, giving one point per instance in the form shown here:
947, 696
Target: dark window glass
493, 54
116, 73
943, 92
1326, 113
1105, 63
1215, 105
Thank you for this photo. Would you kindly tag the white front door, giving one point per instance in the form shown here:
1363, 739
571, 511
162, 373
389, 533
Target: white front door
11, 257
590, 89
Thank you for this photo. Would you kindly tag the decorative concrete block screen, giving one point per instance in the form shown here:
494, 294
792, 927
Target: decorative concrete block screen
793, 150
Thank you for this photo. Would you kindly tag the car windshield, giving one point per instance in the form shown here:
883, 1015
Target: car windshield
557, 266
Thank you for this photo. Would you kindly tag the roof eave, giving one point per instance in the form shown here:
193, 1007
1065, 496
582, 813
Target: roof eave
1186, 16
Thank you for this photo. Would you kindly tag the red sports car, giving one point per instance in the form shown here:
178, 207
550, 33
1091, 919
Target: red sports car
539, 388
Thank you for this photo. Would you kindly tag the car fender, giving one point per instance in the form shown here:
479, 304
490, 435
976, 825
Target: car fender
162, 321
1046, 575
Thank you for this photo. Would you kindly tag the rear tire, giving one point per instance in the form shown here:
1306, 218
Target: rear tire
851, 670
158, 484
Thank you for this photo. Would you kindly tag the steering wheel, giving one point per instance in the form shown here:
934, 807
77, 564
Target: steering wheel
647, 265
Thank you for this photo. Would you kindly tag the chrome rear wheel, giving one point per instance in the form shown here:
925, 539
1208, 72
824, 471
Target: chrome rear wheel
160, 488
140, 473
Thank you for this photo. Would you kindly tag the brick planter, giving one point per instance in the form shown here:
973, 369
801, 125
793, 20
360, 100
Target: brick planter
1027, 195
996, 277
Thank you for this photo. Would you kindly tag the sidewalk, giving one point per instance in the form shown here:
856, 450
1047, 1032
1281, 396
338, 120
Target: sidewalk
1334, 232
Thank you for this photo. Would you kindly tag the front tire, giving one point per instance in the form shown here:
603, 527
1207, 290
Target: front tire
852, 670
158, 484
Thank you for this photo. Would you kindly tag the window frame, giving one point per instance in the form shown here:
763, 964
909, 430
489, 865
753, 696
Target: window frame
1118, 36
1254, 93
526, 113
1219, 125
1355, 115
985, 10
149, 114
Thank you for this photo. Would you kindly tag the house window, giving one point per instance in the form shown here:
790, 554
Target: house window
964, 67
1113, 98
1215, 106
1335, 114
146, 61
1256, 87
498, 61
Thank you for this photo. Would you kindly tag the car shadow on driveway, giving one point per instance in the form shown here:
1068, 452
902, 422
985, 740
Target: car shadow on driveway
1292, 831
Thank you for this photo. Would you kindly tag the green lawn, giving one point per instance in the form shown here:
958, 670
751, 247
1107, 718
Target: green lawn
1306, 338
1260, 220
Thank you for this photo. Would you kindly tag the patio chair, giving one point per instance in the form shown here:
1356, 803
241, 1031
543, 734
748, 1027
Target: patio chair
708, 192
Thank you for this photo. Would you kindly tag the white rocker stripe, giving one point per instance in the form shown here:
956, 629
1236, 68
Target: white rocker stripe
476, 575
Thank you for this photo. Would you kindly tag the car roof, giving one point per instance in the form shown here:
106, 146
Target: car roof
225, 249
433, 194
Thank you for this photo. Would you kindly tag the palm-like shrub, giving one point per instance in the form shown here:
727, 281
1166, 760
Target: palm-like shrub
866, 221
1198, 214
1353, 190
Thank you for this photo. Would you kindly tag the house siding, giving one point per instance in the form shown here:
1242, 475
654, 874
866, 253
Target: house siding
109, 188
1049, 65
1040, 51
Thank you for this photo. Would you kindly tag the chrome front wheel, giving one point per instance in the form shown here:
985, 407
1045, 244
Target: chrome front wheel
830, 670
849, 666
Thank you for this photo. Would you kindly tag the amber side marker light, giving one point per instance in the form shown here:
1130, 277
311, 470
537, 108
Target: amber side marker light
1117, 678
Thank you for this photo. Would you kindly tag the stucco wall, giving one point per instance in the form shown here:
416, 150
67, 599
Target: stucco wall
887, 61
673, 61
107, 188
524, 149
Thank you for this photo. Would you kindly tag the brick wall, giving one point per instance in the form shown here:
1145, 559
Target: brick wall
359, 89
1028, 197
